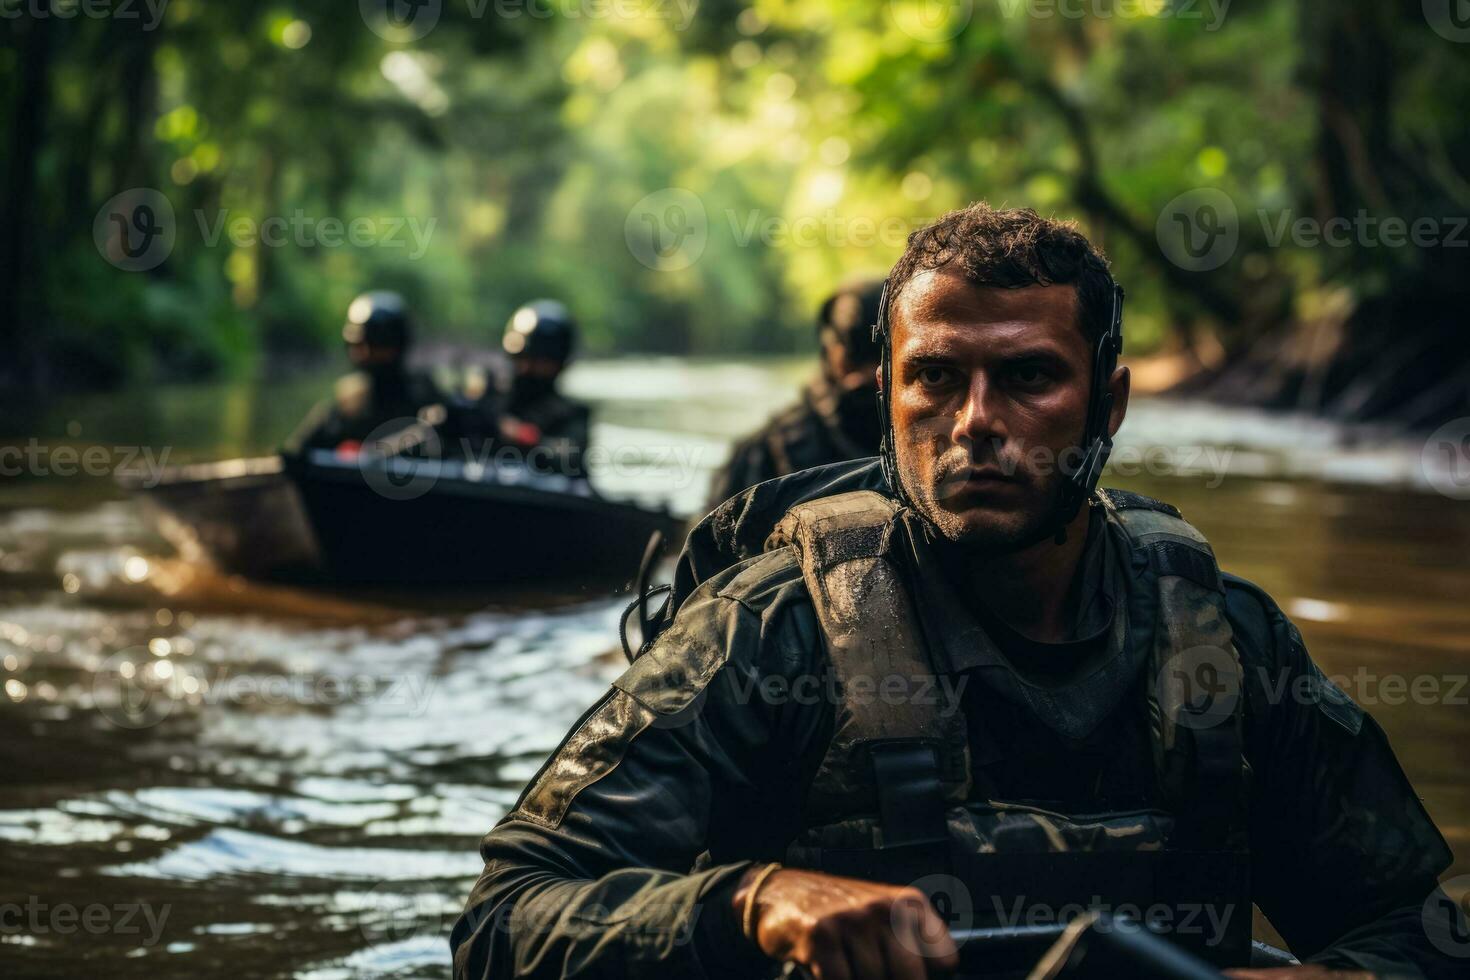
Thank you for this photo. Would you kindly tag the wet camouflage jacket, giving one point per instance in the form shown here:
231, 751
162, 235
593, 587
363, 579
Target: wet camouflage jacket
622, 855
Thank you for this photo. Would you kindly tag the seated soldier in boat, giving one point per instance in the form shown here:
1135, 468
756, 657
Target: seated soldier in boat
381, 398
531, 418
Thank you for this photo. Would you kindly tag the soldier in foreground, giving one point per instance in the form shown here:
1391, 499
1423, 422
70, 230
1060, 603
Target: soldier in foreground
381, 389
837, 416
964, 665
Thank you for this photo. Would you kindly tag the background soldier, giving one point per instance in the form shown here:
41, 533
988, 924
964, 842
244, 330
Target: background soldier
837, 416
381, 390
533, 414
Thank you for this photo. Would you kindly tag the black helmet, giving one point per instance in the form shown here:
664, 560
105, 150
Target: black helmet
541, 328
379, 318
850, 313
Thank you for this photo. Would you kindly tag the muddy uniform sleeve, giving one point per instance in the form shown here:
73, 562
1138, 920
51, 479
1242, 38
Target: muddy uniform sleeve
594, 872
1343, 853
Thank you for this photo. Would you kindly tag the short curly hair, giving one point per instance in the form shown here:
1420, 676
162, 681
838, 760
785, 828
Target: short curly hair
1011, 248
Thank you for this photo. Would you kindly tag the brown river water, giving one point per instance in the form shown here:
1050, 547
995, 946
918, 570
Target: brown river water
312, 807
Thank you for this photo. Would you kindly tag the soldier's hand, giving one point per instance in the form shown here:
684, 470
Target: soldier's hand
519, 433
846, 929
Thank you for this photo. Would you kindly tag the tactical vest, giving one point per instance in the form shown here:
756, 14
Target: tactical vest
893, 799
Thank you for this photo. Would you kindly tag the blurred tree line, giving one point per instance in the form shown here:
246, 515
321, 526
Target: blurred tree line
811, 135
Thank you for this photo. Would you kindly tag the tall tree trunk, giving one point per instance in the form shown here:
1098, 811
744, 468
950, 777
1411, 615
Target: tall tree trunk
133, 164
22, 299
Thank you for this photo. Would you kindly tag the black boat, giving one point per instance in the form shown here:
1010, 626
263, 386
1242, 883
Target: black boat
398, 521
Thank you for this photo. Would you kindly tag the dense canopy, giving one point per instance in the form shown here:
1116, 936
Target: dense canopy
1277, 184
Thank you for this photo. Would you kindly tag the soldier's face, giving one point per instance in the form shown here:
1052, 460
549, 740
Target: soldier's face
839, 367
989, 402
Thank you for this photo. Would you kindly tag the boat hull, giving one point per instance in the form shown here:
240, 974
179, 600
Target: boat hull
399, 522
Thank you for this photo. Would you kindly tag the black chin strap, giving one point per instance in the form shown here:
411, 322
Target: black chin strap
1097, 442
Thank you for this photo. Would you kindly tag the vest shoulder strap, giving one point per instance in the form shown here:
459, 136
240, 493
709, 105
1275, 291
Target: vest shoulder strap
1196, 682
901, 748
835, 529
1173, 546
